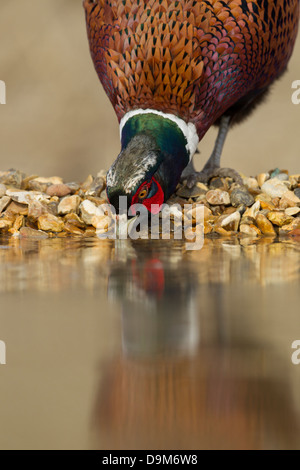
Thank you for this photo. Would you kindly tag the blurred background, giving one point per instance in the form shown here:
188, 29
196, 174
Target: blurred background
58, 120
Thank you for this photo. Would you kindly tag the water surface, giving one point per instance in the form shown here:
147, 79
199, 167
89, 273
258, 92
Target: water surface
133, 345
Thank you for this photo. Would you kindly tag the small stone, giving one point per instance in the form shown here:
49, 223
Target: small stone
97, 187
51, 180
294, 225
289, 199
247, 220
292, 211
73, 187
4, 201
283, 177
87, 183
253, 210
2, 190
274, 173
12, 178
241, 195
59, 190
15, 208
264, 225
69, 204
294, 233
232, 221
35, 185
191, 213
27, 232
101, 223
25, 197
74, 219
88, 210
274, 187
217, 197
36, 209
73, 229
262, 178
250, 230
17, 224
279, 218
218, 183
195, 191
251, 183
297, 192
6, 221
27, 180
50, 223
98, 201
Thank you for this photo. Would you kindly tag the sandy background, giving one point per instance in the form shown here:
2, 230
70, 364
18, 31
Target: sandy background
58, 120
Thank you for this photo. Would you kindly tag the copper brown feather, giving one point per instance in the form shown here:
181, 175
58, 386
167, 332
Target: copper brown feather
192, 58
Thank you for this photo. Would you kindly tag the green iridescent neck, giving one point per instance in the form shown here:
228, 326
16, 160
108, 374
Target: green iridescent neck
168, 136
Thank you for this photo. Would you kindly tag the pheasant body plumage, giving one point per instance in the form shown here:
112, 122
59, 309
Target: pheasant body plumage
195, 59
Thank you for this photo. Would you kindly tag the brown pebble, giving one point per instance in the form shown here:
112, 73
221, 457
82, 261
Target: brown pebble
59, 190
27, 232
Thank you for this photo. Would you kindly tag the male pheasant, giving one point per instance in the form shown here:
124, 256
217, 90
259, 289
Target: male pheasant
173, 68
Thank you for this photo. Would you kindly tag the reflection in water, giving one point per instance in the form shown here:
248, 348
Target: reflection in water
205, 354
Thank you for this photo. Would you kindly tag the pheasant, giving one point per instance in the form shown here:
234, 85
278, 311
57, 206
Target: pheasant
171, 70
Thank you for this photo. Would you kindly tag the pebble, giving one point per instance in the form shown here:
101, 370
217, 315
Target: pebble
232, 221
250, 230
36, 209
241, 195
292, 211
262, 178
32, 206
88, 210
50, 180
69, 204
74, 219
289, 199
2, 190
251, 183
274, 188
27, 232
50, 223
97, 187
297, 192
279, 218
198, 190
253, 210
59, 190
17, 209
25, 197
264, 225
73, 186
4, 201
12, 178
294, 225
6, 222
87, 183
217, 197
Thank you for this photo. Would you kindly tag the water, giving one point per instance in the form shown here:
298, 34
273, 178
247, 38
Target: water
144, 345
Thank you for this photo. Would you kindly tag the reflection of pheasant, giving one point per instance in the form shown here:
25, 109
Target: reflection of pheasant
172, 69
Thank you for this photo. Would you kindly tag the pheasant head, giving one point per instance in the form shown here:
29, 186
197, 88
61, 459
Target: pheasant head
155, 150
